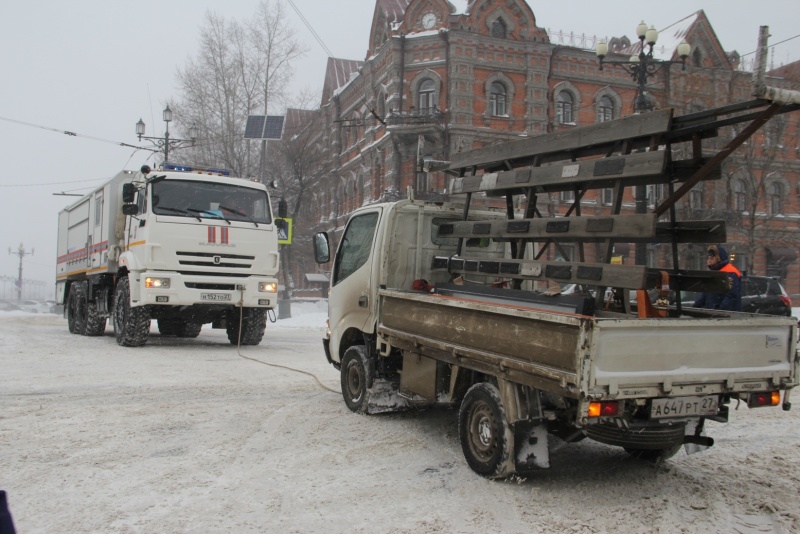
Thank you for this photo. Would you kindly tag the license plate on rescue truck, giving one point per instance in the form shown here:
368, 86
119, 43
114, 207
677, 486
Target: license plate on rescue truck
215, 296
683, 407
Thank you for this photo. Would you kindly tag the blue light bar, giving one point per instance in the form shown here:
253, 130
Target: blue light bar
187, 168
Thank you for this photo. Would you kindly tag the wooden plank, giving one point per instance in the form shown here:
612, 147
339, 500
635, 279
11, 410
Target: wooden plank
625, 276
643, 168
642, 228
712, 231
591, 274
591, 229
636, 126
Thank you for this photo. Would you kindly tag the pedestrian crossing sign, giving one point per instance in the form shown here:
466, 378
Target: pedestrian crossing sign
284, 231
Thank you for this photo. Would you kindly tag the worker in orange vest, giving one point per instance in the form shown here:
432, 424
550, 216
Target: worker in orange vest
718, 260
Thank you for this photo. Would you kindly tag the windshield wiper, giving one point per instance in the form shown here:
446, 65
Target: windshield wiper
176, 210
214, 215
239, 213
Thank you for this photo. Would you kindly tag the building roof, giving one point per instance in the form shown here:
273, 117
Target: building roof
790, 71
337, 75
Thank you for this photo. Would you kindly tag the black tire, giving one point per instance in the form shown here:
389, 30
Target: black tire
95, 324
190, 330
81, 305
654, 455
167, 327
70, 308
253, 321
356, 376
487, 439
131, 325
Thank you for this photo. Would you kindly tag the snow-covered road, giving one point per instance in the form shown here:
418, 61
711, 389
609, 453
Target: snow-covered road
187, 436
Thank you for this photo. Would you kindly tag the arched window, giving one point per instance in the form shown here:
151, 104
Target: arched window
427, 94
697, 58
605, 109
739, 196
564, 108
499, 28
497, 100
775, 198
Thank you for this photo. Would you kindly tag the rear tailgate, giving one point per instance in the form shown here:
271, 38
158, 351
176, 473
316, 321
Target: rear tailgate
674, 357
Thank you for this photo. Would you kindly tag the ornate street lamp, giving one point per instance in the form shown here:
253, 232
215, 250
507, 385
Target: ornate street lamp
641, 67
644, 65
165, 143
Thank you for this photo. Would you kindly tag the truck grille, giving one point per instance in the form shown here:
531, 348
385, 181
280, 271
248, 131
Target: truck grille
215, 261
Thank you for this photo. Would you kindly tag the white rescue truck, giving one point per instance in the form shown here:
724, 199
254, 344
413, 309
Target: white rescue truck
182, 246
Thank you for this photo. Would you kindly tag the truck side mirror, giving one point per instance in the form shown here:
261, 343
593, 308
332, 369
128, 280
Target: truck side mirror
128, 193
280, 224
130, 209
283, 209
322, 250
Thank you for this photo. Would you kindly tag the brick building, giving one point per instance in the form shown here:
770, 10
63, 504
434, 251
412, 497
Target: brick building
445, 77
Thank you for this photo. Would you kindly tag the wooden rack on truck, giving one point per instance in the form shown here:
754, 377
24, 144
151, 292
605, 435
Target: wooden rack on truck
629, 152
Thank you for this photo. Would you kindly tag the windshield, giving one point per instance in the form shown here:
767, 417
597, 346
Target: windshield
205, 200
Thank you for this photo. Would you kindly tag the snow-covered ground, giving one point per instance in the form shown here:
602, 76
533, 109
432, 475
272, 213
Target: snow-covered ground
190, 436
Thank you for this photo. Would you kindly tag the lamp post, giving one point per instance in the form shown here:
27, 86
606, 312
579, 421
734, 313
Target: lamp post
165, 143
641, 67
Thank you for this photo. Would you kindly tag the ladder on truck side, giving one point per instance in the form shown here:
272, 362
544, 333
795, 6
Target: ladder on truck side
628, 152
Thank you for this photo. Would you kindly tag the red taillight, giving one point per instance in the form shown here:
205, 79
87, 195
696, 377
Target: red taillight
764, 398
786, 300
603, 409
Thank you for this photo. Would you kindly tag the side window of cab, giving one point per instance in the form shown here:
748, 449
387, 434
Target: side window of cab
356, 245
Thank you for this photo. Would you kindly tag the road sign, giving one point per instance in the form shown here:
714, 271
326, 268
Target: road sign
285, 233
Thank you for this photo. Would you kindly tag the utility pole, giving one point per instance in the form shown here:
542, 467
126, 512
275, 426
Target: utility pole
21, 252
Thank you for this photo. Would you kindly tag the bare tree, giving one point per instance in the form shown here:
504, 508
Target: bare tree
757, 190
240, 70
298, 165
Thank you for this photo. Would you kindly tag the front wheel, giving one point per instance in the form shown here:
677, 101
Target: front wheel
356, 378
131, 325
486, 436
251, 321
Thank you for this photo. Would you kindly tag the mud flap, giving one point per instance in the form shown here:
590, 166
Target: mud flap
696, 439
384, 397
531, 449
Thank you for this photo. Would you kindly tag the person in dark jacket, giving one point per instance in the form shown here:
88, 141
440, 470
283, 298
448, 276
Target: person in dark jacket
6, 522
718, 260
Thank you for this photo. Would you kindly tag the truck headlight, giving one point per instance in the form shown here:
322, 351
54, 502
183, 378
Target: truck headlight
157, 283
268, 287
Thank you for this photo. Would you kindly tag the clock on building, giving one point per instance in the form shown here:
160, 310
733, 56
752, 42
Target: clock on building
429, 20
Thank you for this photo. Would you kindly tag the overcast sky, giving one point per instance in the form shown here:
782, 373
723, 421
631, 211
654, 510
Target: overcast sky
94, 67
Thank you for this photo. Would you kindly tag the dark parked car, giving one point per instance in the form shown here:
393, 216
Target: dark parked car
760, 294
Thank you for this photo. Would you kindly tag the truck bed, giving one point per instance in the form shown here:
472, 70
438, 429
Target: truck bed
601, 356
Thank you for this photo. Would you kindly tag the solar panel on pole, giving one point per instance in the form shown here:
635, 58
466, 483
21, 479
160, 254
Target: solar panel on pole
264, 127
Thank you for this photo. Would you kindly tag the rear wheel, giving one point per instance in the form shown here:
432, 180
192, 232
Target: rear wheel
486, 436
71, 308
131, 325
190, 330
253, 322
356, 378
654, 455
80, 305
167, 327
95, 321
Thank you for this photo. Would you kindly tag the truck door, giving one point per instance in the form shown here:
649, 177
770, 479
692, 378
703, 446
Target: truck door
352, 293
